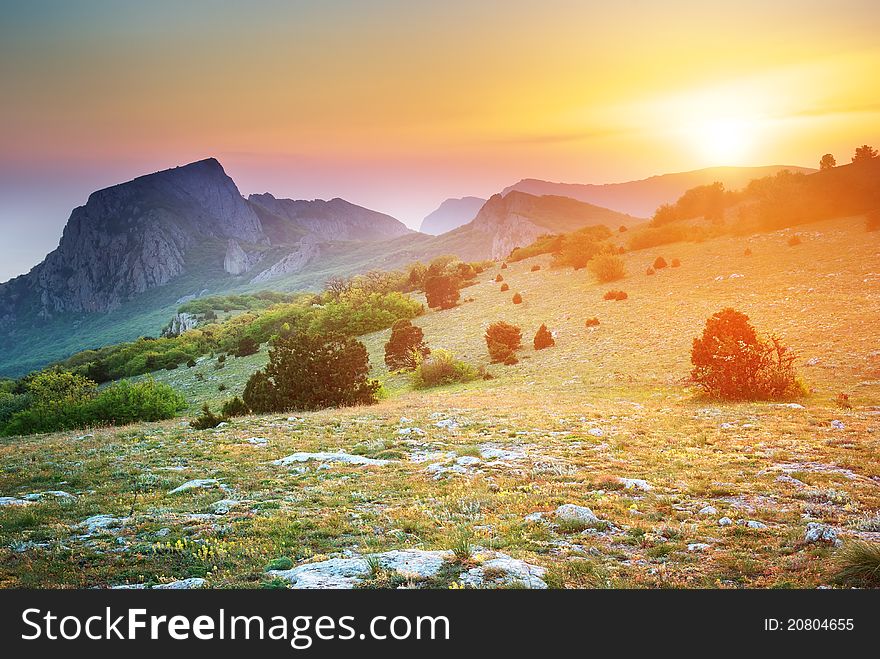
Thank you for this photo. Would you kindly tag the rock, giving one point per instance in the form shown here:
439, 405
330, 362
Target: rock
180, 323
257, 441
506, 571
635, 484
493, 453
345, 458
817, 532
236, 262
163, 532
534, 517
182, 584
224, 506
569, 512
753, 524
596, 432
404, 420
97, 523
837, 424
467, 461
451, 214
708, 510
698, 546
13, 501
198, 483
793, 406
55, 494
303, 254
448, 424
725, 521
412, 431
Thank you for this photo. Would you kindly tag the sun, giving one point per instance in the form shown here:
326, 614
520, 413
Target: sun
724, 141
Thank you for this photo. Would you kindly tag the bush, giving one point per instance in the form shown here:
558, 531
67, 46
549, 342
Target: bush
592, 322
675, 263
731, 362
504, 288
406, 346
502, 341
535, 268
607, 267
11, 403
794, 241
499, 278
649, 271
858, 565
748, 252
234, 407
504, 265
308, 371
517, 298
659, 263
207, 419
246, 346
543, 338
440, 368
442, 291
872, 220
622, 228
191, 363
615, 295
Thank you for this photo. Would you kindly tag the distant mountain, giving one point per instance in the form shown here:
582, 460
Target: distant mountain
451, 214
641, 198
517, 218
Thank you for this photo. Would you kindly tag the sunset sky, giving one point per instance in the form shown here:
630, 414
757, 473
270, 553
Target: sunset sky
398, 105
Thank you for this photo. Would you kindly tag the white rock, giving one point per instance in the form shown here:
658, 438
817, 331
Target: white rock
404, 420
698, 546
198, 483
534, 517
753, 524
13, 501
569, 512
492, 453
596, 432
97, 523
708, 510
412, 431
725, 521
257, 441
182, 584
55, 494
224, 506
817, 532
837, 424
516, 572
467, 461
448, 424
330, 457
635, 484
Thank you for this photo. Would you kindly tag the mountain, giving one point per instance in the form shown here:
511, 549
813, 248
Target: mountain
451, 214
287, 220
517, 219
641, 198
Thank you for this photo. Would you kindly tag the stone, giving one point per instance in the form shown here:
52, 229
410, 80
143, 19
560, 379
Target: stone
569, 512
198, 483
635, 484
97, 523
448, 424
257, 441
817, 532
13, 501
55, 494
837, 424
698, 546
344, 458
708, 510
467, 461
224, 506
508, 572
753, 524
725, 521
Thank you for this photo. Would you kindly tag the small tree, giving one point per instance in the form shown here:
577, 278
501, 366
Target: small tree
517, 298
732, 362
543, 338
442, 291
659, 263
406, 346
502, 341
864, 153
504, 288
827, 162
499, 278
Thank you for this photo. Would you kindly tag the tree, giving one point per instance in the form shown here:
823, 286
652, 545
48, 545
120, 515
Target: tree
864, 153
502, 341
310, 371
827, 162
406, 346
246, 346
732, 362
543, 338
442, 291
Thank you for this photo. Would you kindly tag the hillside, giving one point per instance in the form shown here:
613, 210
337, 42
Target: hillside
451, 214
602, 420
641, 198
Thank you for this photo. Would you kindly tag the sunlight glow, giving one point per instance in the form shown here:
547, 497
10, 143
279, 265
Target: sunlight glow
724, 141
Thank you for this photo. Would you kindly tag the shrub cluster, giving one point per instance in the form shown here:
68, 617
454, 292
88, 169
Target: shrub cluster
517, 298
659, 263
504, 288
535, 268
794, 241
592, 322
615, 295
502, 341
607, 267
649, 271
675, 263
440, 368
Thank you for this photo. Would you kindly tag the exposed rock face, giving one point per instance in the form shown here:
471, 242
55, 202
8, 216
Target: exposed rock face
305, 252
517, 219
237, 262
451, 214
337, 219
180, 323
132, 237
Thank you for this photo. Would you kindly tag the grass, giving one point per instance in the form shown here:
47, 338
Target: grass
859, 565
606, 403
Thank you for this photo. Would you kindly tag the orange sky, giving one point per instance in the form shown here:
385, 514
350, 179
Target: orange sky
397, 105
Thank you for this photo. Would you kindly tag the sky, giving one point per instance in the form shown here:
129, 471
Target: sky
399, 105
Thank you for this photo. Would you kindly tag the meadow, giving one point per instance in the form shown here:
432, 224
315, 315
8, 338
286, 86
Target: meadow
682, 491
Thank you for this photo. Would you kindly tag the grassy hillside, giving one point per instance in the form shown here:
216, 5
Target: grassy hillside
472, 465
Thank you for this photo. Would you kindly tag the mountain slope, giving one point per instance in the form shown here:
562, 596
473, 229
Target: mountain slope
641, 198
451, 214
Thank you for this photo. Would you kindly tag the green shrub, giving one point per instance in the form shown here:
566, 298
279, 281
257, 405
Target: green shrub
207, 419
607, 267
440, 368
308, 371
246, 346
405, 346
543, 338
502, 341
731, 362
